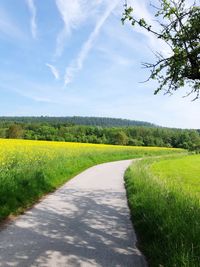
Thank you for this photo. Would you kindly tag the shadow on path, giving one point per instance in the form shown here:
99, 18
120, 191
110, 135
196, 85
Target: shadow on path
84, 223
93, 231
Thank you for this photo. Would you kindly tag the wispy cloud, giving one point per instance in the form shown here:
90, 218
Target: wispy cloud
54, 71
115, 57
8, 27
33, 24
87, 46
72, 13
39, 91
142, 10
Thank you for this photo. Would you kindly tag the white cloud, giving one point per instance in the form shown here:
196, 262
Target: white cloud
141, 9
115, 57
33, 24
87, 46
8, 27
40, 91
74, 13
54, 71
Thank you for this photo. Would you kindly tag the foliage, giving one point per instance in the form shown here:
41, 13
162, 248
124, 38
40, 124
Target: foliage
29, 169
75, 120
166, 210
180, 30
133, 136
14, 131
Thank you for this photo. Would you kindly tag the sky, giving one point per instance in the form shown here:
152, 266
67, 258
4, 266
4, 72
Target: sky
75, 58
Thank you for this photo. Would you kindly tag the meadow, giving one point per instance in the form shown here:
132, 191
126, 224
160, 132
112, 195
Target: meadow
30, 169
164, 198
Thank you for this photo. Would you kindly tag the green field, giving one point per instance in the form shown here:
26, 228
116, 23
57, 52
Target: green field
185, 172
164, 199
30, 169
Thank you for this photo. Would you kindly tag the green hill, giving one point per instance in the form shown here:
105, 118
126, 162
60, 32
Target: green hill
76, 120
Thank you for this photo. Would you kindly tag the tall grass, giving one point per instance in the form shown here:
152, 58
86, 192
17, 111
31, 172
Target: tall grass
29, 169
166, 217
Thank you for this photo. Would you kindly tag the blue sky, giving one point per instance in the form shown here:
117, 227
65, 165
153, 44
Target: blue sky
74, 57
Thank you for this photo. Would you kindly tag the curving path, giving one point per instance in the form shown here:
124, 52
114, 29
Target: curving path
84, 223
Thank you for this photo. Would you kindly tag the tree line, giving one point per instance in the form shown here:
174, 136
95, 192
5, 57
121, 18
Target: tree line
129, 135
76, 120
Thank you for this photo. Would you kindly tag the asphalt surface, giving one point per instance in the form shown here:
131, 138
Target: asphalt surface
84, 223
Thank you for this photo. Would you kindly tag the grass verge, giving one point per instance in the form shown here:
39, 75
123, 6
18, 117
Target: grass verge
165, 215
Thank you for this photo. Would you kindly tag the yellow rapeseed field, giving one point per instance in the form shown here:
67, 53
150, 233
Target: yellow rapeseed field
28, 169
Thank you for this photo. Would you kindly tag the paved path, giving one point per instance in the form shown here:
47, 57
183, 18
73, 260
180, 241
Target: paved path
84, 223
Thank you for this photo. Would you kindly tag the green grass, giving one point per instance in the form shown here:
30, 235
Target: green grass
163, 195
30, 169
184, 171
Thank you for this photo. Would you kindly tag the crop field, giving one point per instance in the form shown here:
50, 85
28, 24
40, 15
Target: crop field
164, 197
30, 169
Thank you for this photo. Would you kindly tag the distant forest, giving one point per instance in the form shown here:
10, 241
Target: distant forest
98, 131
76, 120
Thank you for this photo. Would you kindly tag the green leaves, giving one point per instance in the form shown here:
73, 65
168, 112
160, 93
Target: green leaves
180, 30
142, 23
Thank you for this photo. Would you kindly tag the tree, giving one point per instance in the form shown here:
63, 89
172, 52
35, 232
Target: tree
15, 131
180, 29
120, 138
